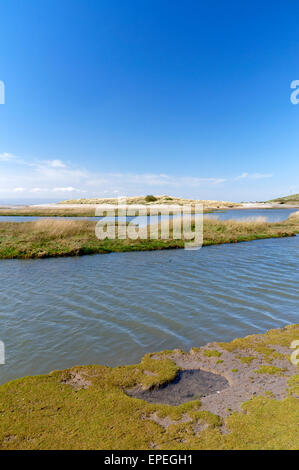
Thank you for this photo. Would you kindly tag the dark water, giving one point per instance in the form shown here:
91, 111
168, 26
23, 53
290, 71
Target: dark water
112, 309
188, 385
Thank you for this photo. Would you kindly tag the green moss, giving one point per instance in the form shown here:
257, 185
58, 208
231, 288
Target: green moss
212, 353
271, 370
267, 424
53, 412
164, 371
246, 359
294, 385
261, 344
235, 370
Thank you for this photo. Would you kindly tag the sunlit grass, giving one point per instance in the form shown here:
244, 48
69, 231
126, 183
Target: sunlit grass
64, 237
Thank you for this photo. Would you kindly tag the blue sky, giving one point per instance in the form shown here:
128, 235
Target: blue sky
132, 97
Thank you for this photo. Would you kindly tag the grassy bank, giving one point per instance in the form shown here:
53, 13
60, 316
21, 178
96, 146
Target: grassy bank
291, 200
49, 212
53, 238
71, 211
87, 407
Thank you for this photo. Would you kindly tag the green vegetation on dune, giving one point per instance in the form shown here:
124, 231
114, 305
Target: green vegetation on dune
86, 407
152, 200
52, 238
293, 199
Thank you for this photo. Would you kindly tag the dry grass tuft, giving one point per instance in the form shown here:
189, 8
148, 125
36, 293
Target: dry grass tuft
57, 228
50, 237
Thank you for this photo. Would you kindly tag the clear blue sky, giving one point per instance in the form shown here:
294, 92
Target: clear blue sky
149, 96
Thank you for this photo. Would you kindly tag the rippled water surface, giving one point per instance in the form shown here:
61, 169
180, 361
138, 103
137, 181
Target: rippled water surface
271, 215
112, 309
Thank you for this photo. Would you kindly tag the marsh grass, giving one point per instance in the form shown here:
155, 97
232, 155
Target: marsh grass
62, 237
48, 212
56, 228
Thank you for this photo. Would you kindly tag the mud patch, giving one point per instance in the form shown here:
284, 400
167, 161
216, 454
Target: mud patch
238, 367
77, 381
166, 422
188, 385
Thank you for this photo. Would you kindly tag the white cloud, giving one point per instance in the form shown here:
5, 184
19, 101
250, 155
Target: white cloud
254, 176
68, 189
6, 157
38, 190
150, 180
48, 177
19, 190
55, 163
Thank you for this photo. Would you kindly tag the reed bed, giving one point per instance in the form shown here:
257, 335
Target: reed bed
63, 237
57, 228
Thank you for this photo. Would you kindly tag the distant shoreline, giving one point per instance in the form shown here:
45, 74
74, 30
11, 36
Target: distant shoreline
138, 202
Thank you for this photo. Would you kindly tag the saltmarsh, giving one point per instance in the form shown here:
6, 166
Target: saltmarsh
87, 407
53, 237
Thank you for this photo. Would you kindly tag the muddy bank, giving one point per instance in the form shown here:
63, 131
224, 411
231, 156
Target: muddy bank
190, 384
87, 407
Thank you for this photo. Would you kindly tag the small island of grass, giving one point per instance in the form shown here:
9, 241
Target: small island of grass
53, 238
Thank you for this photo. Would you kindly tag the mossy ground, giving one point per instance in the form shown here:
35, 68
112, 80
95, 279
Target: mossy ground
56, 411
264, 345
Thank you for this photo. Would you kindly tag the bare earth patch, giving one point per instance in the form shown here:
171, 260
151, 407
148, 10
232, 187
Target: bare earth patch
77, 381
166, 421
244, 382
87, 407
188, 385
